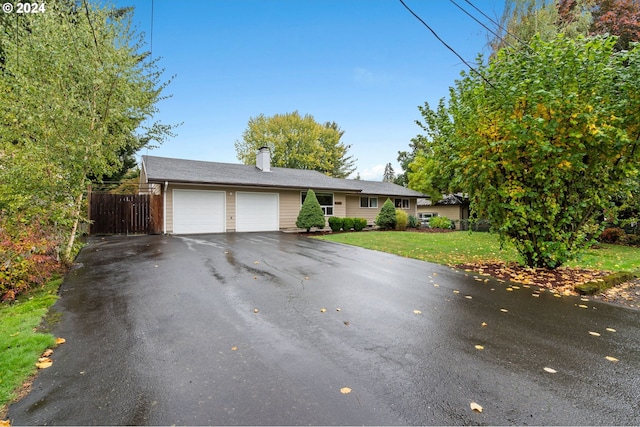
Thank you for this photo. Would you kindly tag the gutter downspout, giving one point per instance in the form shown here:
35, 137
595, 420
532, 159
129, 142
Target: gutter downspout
164, 208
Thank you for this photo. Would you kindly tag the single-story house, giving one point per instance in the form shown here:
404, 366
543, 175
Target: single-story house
211, 197
453, 206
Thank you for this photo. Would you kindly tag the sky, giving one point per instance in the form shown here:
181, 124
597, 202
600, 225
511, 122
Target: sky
365, 64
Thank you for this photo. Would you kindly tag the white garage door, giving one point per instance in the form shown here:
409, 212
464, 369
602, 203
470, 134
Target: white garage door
198, 211
257, 212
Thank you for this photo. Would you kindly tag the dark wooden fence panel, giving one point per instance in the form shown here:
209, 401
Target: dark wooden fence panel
125, 213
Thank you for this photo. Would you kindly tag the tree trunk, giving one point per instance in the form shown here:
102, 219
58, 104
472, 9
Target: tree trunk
74, 229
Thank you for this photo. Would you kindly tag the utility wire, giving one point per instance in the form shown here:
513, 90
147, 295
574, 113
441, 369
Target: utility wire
445, 44
499, 26
482, 24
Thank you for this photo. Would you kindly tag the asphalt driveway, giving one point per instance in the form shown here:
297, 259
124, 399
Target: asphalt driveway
276, 329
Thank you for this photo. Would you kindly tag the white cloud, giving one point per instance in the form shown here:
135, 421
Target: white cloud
373, 174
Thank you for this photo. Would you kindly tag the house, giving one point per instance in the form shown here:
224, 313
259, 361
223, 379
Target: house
211, 197
453, 206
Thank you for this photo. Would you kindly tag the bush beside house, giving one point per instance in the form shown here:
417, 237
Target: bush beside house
386, 219
311, 214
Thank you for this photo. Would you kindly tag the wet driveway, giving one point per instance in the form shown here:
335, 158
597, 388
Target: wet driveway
231, 329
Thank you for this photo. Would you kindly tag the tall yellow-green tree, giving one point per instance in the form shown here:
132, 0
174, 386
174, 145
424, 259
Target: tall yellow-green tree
542, 142
76, 91
297, 142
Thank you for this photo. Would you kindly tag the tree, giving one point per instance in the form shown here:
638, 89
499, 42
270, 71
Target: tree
389, 174
617, 17
543, 143
310, 214
386, 219
297, 142
75, 92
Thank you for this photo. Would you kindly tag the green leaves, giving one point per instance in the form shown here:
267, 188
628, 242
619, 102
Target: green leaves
542, 150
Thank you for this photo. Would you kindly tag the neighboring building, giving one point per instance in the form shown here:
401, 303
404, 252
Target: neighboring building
453, 206
210, 197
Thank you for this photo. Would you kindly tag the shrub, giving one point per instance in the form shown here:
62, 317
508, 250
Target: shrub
413, 222
311, 214
402, 218
28, 258
386, 219
440, 222
335, 223
347, 224
631, 240
612, 235
359, 224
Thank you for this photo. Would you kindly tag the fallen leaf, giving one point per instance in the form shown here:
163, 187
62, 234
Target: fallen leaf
48, 352
504, 310
60, 341
468, 297
536, 295
550, 370
518, 287
346, 322
5, 423
479, 347
595, 334
584, 299
256, 262
322, 310
557, 295
306, 277
484, 324
455, 291
255, 277
611, 359
417, 312
475, 407
435, 285
509, 289
234, 348
582, 306
255, 310
345, 390
337, 309
610, 330
44, 363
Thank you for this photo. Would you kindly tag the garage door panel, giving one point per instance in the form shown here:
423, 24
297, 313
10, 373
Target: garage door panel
257, 211
198, 211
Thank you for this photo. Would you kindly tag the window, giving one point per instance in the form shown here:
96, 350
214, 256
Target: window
368, 202
402, 203
325, 200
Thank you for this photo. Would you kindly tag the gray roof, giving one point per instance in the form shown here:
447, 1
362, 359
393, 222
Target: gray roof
449, 199
161, 169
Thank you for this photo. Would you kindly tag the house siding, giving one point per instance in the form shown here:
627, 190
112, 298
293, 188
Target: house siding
355, 211
452, 212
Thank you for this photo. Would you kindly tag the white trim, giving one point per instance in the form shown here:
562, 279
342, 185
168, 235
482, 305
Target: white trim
164, 207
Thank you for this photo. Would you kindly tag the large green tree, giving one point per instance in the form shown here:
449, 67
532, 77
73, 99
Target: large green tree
76, 92
542, 142
297, 142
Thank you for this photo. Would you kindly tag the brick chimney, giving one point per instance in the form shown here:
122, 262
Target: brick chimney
263, 159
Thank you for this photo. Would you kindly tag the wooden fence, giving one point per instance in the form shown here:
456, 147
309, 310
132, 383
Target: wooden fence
125, 213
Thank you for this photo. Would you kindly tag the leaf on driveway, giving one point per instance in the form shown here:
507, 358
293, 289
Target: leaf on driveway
475, 407
468, 297
256, 262
455, 291
60, 341
417, 312
44, 363
611, 359
322, 310
595, 334
48, 352
479, 347
610, 330
582, 306
234, 348
255, 310
345, 390
535, 295
484, 324
509, 289
504, 310
435, 285
550, 370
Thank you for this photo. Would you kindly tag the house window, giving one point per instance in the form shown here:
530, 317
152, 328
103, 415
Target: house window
325, 200
402, 203
368, 202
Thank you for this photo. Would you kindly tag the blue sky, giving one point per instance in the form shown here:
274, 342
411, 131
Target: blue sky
365, 64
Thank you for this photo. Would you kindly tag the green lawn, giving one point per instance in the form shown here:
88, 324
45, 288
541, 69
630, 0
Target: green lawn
462, 247
21, 342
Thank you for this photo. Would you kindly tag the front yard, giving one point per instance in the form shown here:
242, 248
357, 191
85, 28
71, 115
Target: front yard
481, 253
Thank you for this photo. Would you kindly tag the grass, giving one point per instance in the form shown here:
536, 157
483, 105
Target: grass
462, 247
21, 339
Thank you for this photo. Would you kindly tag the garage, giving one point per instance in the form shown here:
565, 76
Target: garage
198, 211
257, 211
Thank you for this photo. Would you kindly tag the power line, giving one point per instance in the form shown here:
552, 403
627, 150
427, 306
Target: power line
479, 22
445, 44
497, 25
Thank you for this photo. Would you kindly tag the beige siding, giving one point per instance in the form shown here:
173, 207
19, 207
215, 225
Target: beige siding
355, 211
289, 208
